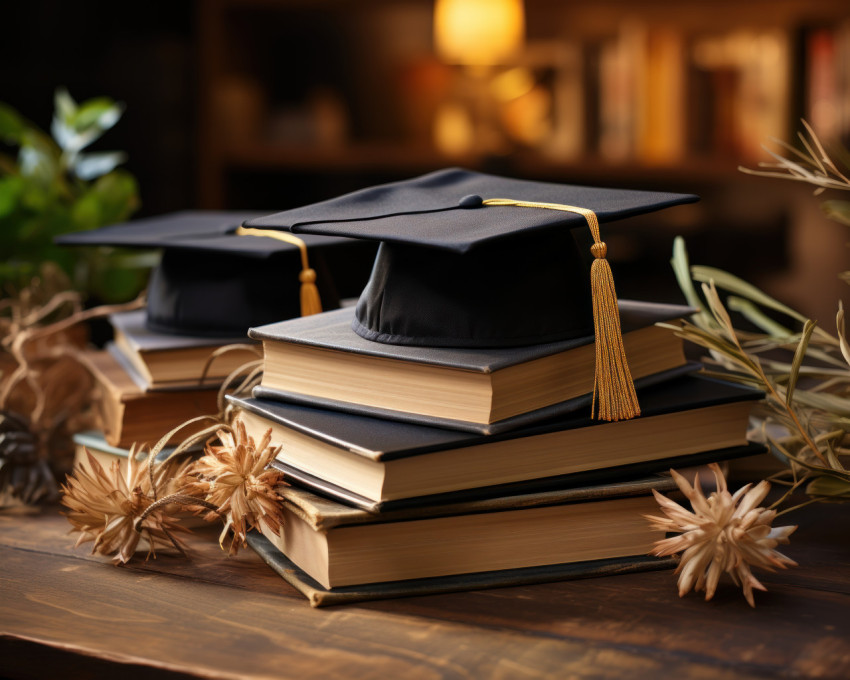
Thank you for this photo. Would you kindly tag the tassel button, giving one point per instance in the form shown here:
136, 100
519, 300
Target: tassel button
599, 250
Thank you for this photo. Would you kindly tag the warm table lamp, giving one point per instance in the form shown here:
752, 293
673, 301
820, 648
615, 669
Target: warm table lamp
476, 34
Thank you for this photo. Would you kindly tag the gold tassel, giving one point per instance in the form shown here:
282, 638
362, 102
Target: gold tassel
613, 387
311, 302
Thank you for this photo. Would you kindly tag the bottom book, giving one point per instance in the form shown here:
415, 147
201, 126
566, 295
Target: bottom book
319, 596
333, 553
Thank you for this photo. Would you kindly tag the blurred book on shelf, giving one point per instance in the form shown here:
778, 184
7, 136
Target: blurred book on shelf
827, 78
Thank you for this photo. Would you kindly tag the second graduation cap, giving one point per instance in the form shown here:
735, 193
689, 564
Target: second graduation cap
215, 282
474, 260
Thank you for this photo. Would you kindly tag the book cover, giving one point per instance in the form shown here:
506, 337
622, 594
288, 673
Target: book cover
162, 361
319, 596
573, 480
142, 339
384, 440
379, 464
499, 427
332, 331
321, 361
314, 522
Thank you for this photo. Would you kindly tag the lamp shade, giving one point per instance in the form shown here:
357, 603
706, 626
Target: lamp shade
478, 32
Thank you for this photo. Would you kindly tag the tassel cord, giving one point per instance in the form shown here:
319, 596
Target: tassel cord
310, 300
613, 387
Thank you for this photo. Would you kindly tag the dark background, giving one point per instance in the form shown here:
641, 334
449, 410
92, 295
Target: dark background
166, 61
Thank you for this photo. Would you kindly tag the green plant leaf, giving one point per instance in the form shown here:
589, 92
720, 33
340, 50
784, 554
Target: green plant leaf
681, 268
740, 287
64, 105
837, 210
92, 165
113, 283
100, 113
39, 158
799, 355
86, 212
74, 128
11, 187
829, 487
757, 317
64, 134
830, 403
35, 197
12, 125
119, 195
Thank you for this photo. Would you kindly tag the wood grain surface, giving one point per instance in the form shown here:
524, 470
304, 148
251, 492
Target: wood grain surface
66, 613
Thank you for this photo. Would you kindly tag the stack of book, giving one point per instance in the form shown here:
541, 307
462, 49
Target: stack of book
439, 435
148, 382
416, 470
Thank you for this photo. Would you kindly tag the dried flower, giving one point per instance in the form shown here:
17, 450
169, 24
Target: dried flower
105, 506
725, 532
234, 477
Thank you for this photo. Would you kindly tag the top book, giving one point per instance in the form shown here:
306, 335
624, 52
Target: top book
477, 261
320, 361
174, 361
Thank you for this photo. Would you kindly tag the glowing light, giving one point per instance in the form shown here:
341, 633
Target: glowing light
478, 32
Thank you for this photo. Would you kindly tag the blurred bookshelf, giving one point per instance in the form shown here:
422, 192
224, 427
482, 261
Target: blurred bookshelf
299, 101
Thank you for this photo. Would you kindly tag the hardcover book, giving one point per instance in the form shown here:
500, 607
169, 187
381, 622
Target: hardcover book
319, 360
129, 414
379, 464
174, 361
484, 542
319, 596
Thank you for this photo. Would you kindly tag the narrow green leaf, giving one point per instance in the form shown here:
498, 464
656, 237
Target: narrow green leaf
757, 317
831, 403
740, 287
829, 487
682, 270
799, 355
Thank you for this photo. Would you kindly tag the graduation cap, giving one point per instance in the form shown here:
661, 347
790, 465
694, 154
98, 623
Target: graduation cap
212, 281
474, 260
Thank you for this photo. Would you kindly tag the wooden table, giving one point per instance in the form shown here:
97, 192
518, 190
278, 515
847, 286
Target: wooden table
65, 614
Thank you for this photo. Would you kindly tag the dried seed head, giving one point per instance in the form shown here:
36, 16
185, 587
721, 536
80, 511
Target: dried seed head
723, 533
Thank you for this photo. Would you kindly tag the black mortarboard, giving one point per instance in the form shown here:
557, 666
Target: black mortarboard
212, 281
473, 260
